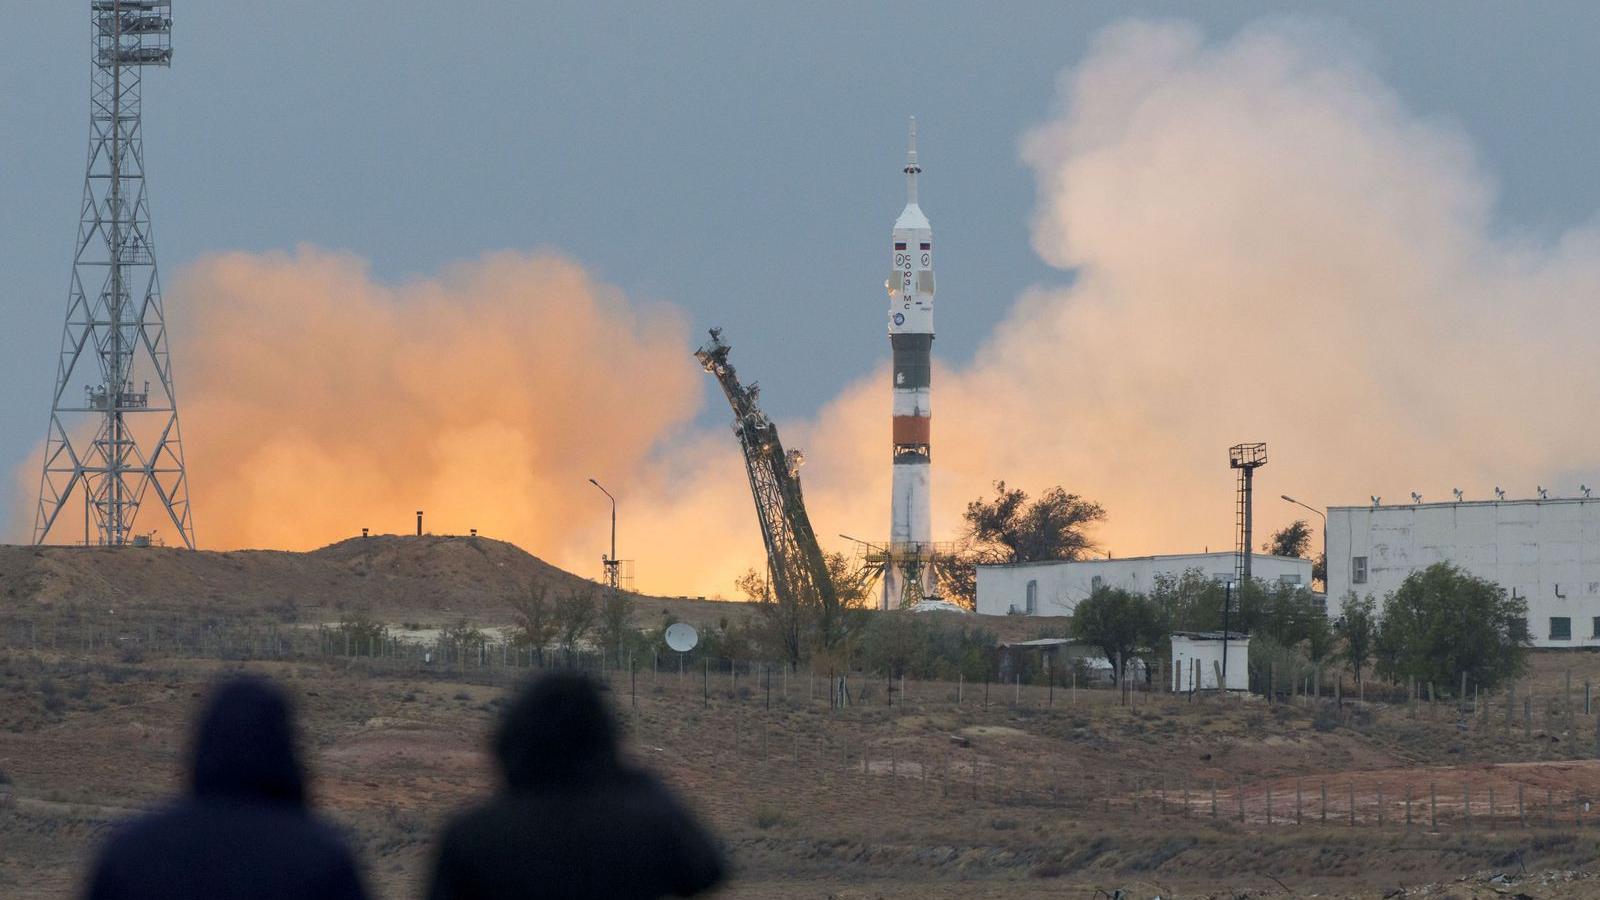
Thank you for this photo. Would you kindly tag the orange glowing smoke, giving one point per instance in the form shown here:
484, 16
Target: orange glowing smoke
317, 402
1268, 246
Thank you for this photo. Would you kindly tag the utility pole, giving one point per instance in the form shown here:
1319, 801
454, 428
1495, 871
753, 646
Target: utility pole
613, 579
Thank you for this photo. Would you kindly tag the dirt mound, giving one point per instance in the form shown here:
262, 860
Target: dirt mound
385, 576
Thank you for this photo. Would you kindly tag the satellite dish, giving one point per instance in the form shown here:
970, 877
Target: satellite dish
682, 637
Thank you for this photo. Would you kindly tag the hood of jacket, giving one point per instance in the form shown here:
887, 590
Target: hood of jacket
557, 733
244, 746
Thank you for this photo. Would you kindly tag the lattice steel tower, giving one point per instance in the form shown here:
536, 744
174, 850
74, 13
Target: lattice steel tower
117, 443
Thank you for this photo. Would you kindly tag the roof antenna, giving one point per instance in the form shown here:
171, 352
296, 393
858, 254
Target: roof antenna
1457, 492
1498, 493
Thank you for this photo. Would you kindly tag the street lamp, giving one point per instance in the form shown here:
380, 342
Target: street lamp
611, 563
1324, 517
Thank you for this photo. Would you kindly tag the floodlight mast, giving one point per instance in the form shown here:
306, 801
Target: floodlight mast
1247, 458
121, 441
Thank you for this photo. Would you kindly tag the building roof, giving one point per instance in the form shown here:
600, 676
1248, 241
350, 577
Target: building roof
1037, 642
1218, 554
1524, 501
1211, 635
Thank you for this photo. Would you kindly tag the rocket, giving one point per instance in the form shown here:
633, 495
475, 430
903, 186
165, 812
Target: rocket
910, 287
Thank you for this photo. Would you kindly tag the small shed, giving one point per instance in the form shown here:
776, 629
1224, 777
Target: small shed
1197, 660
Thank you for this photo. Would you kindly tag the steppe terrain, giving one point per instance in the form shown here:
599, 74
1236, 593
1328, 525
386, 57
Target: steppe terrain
927, 791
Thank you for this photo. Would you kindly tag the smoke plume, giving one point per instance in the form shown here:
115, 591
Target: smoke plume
1265, 245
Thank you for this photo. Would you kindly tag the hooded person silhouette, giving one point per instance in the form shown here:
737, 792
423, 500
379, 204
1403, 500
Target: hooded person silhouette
243, 830
572, 821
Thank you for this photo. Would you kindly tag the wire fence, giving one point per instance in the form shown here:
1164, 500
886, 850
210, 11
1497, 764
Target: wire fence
1489, 797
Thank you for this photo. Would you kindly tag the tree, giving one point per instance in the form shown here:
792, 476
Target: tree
615, 622
1015, 530
535, 619
1444, 622
1010, 529
1357, 627
574, 616
1117, 621
461, 638
1293, 539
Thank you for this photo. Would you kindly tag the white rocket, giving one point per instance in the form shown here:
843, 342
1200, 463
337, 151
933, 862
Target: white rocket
911, 338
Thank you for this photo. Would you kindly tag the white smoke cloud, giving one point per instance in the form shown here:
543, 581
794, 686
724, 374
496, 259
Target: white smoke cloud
1267, 245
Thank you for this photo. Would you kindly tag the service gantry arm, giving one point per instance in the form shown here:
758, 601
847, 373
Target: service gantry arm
795, 564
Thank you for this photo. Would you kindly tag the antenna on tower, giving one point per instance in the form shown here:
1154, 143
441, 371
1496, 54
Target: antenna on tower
117, 444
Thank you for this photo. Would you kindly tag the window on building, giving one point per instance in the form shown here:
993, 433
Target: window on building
1596, 627
1096, 583
1560, 628
1033, 597
1358, 570
1288, 579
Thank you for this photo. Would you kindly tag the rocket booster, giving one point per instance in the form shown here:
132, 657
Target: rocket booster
911, 289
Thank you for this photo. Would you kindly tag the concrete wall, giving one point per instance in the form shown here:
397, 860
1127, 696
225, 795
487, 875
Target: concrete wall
1546, 551
1208, 653
1058, 586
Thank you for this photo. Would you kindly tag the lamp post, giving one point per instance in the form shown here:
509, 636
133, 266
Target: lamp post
1324, 518
610, 561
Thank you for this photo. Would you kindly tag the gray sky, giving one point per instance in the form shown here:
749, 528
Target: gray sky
738, 160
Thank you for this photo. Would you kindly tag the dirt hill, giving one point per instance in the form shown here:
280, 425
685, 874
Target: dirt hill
393, 579
387, 576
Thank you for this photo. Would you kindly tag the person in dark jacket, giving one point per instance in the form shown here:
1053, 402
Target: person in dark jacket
243, 831
573, 821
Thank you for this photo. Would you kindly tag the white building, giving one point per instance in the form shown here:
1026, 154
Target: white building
1054, 588
1197, 660
1544, 551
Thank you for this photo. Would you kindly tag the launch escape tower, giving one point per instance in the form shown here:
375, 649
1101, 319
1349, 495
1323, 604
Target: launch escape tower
795, 565
910, 565
1247, 458
118, 442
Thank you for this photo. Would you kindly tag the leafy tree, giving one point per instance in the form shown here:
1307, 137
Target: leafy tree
1319, 636
1293, 539
535, 624
574, 616
1011, 529
1117, 621
1015, 530
1358, 628
1190, 602
361, 634
1443, 622
461, 638
615, 623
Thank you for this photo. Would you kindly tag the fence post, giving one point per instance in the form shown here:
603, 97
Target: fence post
1408, 804
1352, 804
1213, 798
1297, 801
1433, 807
1522, 813
1324, 802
